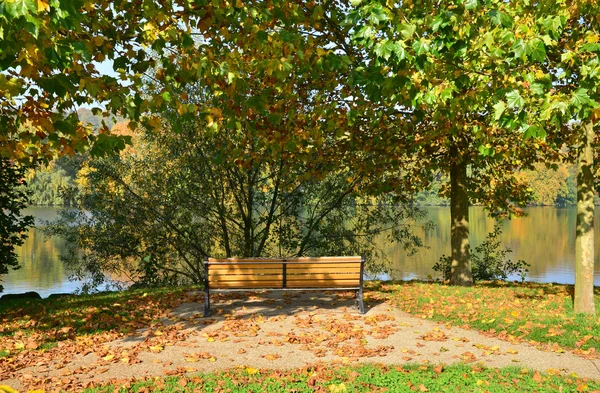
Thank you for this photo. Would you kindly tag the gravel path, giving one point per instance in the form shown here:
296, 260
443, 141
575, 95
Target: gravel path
282, 331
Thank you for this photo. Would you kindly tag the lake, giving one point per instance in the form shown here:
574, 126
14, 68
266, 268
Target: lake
545, 239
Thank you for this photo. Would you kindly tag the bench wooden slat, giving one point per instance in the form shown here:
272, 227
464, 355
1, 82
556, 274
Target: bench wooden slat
252, 277
300, 259
322, 270
323, 284
327, 259
348, 266
247, 284
323, 276
247, 266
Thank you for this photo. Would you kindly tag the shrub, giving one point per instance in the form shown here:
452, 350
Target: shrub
489, 261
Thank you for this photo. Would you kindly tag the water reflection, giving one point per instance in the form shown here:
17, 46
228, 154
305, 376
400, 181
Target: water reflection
41, 269
545, 239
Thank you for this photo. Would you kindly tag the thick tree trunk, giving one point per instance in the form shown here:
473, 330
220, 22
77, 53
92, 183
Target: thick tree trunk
460, 273
584, 243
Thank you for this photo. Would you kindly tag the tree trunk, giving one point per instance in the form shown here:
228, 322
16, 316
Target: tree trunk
460, 273
584, 243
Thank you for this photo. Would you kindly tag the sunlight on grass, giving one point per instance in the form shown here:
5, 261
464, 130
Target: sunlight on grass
542, 313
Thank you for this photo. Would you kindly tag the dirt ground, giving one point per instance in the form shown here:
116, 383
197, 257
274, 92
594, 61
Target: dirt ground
283, 331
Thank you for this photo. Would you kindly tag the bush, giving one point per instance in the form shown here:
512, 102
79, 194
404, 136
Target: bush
489, 262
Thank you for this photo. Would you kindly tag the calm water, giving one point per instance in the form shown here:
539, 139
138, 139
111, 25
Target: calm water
545, 239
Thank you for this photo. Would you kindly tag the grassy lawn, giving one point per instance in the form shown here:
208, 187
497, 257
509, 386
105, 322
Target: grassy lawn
40, 324
539, 313
368, 378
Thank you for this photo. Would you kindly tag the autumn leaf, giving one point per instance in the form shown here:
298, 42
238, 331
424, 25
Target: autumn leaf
271, 356
251, 370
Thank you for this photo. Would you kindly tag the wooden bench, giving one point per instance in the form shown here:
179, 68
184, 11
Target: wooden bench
291, 274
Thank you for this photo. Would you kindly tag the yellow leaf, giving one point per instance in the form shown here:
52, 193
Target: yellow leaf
212, 359
592, 38
156, 348
251, 370
108, 358
19, 345
42, 5
337, 388
7, 389
210, 339
191, 360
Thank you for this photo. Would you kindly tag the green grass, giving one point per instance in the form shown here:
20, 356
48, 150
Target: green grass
48, 321
368, 378
542, 313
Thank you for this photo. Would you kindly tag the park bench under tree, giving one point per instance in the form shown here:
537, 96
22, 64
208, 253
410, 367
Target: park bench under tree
284, 274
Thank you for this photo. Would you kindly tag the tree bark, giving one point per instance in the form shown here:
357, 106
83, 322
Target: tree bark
584, 242
460, 272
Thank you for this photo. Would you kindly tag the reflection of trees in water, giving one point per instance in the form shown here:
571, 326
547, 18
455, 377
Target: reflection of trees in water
40, 263
545, 239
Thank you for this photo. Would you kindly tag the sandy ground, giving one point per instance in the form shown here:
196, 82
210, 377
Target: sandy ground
289, 330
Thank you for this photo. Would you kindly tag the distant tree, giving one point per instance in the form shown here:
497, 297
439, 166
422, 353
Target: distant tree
13, 224
548, 185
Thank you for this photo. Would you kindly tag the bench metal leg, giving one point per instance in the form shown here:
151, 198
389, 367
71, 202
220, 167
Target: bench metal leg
206, 303
359, 298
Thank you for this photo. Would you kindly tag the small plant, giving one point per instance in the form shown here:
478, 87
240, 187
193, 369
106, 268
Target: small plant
489, 261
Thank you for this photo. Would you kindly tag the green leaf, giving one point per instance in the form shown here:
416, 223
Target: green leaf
377, 14
355, 3
407, 30
534, 132
593, 47
18, 8
471, 4
514, 99
400, 51
420, 47
536, 50
520, 48
485, 150
499, 109
384, 49
580, 98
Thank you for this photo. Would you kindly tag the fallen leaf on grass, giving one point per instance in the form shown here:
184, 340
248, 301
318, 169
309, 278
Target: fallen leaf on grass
337, 388
251, 370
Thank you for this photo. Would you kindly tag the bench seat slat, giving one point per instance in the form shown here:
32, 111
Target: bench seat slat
247, 284
347, 266
323, 284
299, 259
235, 266
253, 277
242, 272
323, 276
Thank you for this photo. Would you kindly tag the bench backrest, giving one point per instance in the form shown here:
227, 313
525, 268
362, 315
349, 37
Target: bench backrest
292, 273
